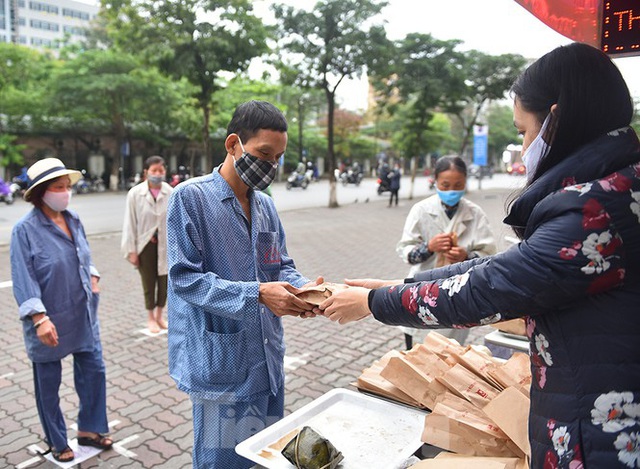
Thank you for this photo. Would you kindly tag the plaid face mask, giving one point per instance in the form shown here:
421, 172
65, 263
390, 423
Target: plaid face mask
254, 172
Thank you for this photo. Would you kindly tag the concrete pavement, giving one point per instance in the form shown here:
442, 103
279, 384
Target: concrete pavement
152, 419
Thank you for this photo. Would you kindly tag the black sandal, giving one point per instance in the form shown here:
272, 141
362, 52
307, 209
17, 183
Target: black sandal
96, 441
57, 455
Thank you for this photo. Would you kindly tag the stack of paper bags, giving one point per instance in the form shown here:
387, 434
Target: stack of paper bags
479, 404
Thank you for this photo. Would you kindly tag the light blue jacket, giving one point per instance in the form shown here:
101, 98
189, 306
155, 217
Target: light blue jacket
222, 342
51, 273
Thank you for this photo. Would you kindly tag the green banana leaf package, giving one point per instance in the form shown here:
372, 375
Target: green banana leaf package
309, 450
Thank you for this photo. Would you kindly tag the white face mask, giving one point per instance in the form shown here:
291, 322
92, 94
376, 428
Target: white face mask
538, 149
57, 201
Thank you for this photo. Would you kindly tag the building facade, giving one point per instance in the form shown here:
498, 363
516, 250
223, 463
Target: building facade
44, 23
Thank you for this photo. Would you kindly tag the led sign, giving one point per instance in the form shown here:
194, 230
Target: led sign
620, 29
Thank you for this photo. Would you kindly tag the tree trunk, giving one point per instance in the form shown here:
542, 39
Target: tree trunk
333, 195
206, 141
117, 166
300, 128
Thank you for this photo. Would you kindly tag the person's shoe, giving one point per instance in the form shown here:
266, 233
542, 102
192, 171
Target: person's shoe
66, 455
97, 441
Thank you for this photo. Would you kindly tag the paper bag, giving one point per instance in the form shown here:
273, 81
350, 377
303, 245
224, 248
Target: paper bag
464, 383
514, 372
510, 411
512, 326
372, 381
317, 294
447, 460
443, 346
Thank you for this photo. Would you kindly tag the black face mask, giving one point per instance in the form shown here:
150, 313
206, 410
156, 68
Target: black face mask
256, 173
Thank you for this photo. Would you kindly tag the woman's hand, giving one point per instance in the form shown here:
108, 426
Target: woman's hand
47, 333
371, 283
347, 305
133, 258
95, 288
440, 243
456, 254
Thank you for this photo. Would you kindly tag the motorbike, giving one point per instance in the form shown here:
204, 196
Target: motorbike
296, 179
6, 192
350, 177
383, 185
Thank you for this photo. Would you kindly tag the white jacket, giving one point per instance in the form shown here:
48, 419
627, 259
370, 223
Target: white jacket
427, 218
142, 218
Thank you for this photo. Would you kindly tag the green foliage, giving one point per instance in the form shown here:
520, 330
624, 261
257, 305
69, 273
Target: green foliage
24, 75
501, 131
10, 153
320, 48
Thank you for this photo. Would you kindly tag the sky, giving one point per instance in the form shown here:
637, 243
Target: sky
491, 26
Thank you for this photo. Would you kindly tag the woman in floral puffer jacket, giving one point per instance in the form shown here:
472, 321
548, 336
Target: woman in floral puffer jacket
575, 277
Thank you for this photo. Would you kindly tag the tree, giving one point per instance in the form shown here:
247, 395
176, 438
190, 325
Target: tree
111, 91
24, 74
10, 153
501, 130
323, 47
175, 37
486, 78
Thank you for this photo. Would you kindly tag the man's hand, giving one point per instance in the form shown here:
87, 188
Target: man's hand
456, 254
281, 299
372, 283
347, 305
318, 281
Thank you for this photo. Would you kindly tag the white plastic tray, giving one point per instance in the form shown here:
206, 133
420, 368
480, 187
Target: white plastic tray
370, 432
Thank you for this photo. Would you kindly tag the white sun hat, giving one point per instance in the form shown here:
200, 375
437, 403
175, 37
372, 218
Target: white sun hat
47, 169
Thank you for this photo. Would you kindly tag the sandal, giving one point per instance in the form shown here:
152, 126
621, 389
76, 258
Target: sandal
59, 455
97, 441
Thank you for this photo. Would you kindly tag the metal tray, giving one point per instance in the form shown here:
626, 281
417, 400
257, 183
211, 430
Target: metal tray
370, 432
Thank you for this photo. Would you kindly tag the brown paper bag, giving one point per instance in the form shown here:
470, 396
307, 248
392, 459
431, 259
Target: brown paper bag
317, 294
449, 434
514, 372
464, 383
408, 378
510, 411
443, 346
427, 361
479, 364
475, 462
512, 326
441, 260
371, 380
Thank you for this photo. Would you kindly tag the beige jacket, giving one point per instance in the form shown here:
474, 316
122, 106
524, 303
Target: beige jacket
142, 218
427, 218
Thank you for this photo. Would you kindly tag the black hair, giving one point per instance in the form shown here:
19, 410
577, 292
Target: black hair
252, 116
155, 159
445, 163
591, 95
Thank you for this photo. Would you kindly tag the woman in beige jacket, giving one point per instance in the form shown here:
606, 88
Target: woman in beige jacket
444, 229
144, 237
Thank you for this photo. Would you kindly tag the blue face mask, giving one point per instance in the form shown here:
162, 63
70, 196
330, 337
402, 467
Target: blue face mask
450, 198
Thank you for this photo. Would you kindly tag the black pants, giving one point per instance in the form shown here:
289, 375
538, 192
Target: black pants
394, 193
152, 283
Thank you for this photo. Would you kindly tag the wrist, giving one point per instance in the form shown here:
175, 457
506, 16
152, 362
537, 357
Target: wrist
37, 316
41, 321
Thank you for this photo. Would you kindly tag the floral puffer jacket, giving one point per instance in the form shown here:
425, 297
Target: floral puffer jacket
575, 277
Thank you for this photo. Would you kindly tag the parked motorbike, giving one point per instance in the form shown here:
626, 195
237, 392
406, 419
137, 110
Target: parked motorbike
88, 184
6, 193
19, 186
296, 179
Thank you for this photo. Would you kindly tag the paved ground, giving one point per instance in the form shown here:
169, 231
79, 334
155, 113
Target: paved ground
152, 418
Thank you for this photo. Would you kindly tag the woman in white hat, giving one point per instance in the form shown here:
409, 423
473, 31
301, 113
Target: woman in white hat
56, 287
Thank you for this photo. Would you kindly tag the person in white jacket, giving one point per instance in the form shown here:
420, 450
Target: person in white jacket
444, 229
144, 237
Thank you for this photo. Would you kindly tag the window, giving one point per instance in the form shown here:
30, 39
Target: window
39, 24
40, 6
38, 41
78, 31
75, 14
22, 21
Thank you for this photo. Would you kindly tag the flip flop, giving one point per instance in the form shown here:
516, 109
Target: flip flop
97, 441
57, 455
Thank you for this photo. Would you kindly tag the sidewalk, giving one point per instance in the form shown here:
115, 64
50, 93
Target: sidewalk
152, 418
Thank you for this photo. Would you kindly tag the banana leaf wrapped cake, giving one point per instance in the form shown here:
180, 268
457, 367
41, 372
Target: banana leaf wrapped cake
310, 450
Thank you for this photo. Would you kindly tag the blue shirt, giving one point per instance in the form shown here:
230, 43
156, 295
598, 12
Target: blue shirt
51, 274
222, 342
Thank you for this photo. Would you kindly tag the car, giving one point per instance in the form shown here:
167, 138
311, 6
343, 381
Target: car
516, 169
478, 171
